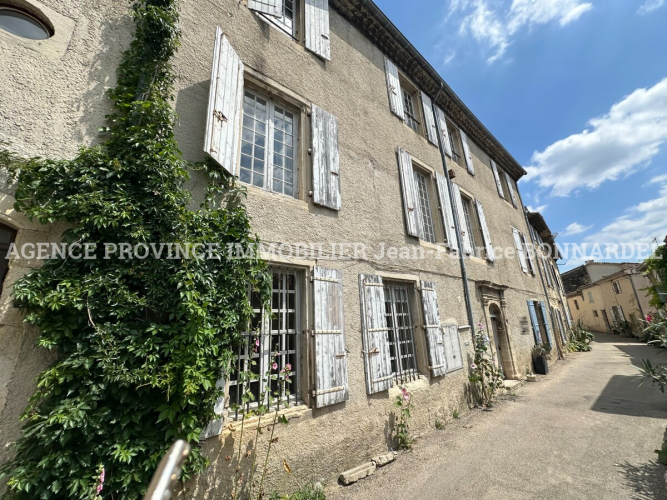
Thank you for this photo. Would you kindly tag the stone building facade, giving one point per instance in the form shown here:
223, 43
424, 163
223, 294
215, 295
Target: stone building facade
350, 144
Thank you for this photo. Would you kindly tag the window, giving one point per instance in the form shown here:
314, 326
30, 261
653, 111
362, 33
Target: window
473, 227
590, 297
455, 143
616, 286
595, 313
617, 314
410, 101
272, 333
268, 145
401, 331
7, 237
425, 206
286, 23
576, 304
22, 23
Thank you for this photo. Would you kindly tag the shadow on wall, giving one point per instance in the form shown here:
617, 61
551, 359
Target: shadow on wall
645, 480
94, 104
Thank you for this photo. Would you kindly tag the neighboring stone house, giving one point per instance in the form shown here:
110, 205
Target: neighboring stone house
546, 261
607, 300
349, 142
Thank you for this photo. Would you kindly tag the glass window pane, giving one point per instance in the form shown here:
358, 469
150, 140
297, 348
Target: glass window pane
23, 25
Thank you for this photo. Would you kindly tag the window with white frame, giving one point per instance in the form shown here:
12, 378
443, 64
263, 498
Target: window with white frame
617, 314
269, 145
402, 350
596, 314
422, 184
270, 345
616, 286
287, 22
473, 227
410, 105
455, 144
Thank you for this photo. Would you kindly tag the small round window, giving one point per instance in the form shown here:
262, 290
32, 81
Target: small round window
22, 23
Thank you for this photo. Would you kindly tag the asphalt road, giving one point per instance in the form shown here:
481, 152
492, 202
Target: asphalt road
584, 431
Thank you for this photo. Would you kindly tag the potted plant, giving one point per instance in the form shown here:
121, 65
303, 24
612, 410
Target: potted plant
540, 352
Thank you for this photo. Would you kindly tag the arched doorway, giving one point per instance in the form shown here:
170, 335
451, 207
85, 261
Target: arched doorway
501, 341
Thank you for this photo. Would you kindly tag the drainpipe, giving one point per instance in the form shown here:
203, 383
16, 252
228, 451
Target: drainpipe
457, 229
544, 285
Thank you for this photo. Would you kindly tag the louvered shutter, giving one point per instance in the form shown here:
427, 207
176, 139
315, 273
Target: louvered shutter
490, 255
546, 271
547, 326
509, 185
442, 122
270, 7
433, 329
466, 152
453, 354
375, 335
331, 385
561, 326
530, 252
519, 250
446, 210
215, 426
429, 119
223, 122
411, 205
496, 176
534, 322
394, 89
317, 28
465, 237
326, 160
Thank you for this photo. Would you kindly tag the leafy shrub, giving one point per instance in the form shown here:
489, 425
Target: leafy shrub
579, 339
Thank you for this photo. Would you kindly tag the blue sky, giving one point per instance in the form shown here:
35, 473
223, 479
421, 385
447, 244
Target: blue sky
576, 90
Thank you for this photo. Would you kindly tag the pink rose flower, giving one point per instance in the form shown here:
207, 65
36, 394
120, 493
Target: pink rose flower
288, 367
257, 342
275, 366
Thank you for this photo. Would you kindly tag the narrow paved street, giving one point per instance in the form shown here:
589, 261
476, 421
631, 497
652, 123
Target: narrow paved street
585, 431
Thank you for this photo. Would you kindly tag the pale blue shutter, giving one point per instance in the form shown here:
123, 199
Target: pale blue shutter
546, 323
535, 323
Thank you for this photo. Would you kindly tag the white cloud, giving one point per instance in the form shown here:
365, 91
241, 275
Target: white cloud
650, 5
616, 144
575, 228
495, 26
449, 57
660, 179
641, 225
539, 209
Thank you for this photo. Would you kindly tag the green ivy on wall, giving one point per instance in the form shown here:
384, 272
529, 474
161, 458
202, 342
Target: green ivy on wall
140, 342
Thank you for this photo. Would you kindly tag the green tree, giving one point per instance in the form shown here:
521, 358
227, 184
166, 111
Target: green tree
140, 342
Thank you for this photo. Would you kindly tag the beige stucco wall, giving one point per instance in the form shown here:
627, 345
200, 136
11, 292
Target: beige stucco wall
52, 101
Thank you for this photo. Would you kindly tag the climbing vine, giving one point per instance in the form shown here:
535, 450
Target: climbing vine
141, 342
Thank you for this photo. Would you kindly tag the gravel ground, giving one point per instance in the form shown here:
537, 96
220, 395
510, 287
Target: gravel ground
584, 431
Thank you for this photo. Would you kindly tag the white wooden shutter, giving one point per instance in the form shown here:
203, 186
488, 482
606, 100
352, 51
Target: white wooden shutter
490, 255
530, 252
453, 354
433, 330
499, 184
446, 211
546, 271
519, 250
375, 335
429, 119
509, 185
215, 426
561, 327
546, 323
534, 322
465, 237
466, 152
442, 122
269, 7
410, 199
223, 121
331, 385
394, 89
317, 28
326, 160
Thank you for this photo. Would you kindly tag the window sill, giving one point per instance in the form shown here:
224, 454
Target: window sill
440, 247
478, 260
414, 386
282, 198
296, 411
